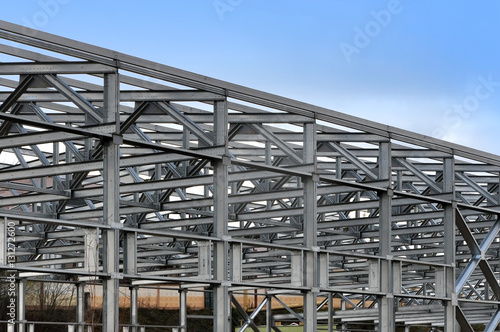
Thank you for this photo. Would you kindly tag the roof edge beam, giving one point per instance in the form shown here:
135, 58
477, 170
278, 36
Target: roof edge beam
40, 68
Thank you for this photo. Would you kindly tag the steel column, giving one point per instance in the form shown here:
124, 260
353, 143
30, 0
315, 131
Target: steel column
80, 306
91, 254
183, 309
111, 208
310, 272
236, 274
222, 314
450, 319
134, 308
130, 253
269, 314
386, 302
21, 304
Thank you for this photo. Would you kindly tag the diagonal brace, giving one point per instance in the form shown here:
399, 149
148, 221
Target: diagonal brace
186, 122
278, 142
418, 173
353, 159
73, 96
462, 321
495, 320
248, 319
14, 96
474, 185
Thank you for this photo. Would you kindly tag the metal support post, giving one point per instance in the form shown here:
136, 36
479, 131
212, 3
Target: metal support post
204, 259
374, 275
310, 273
91, 260
236, 262
111, 208
323, 270
130, 253
80, 306
134, 308
186, 136
343, 307
450, 322
397, 280
269, 314
330, 312
386, 302
183, 310
296, 262
222, 313
21, 304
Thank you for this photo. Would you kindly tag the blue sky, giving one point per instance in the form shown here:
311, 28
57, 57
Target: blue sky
427, 66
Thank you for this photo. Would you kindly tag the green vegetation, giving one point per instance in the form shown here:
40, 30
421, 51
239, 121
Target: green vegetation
296, 328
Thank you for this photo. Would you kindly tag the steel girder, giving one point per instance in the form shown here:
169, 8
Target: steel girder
121, 172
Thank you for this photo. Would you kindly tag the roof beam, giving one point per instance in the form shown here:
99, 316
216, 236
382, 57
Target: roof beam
66, 67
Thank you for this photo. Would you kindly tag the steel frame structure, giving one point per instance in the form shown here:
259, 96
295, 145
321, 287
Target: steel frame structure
123, 172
